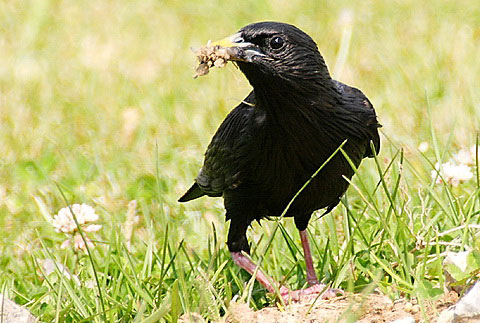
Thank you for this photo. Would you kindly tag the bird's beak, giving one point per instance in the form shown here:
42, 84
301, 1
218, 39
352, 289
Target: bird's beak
235, 40
238, 48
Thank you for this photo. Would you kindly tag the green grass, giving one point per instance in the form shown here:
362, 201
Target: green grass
97, 102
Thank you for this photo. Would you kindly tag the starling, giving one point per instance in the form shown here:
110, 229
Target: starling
271, 144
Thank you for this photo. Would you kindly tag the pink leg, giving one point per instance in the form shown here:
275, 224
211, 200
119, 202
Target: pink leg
311, 276
244, 262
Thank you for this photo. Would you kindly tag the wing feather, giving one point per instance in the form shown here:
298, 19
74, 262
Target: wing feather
227, 151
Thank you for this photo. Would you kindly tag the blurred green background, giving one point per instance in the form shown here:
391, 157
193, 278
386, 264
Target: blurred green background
97, 97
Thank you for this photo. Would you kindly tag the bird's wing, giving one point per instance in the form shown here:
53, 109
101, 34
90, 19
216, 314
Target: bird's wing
228, 151
362, 109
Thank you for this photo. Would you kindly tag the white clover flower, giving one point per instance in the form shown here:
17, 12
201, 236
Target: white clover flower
50, 266
452, 173
92, 228
65, 223
466, 156
80, 244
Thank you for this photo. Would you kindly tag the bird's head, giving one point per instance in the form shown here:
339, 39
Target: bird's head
273, 53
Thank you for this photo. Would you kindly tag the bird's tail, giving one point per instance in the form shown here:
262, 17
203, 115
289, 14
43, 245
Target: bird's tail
192, 193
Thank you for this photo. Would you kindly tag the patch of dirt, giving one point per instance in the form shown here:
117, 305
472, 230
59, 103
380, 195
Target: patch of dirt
353, 308
209, 56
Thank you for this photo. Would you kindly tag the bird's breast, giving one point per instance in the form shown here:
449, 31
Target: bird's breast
283, 164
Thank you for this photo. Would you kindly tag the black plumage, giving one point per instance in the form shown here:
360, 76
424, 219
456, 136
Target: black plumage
272, 142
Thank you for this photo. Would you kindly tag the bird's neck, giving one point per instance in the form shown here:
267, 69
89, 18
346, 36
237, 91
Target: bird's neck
285, 102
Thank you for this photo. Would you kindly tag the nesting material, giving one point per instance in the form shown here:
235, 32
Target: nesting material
210, 56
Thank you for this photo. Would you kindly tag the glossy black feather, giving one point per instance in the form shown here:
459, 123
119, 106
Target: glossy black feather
272, 142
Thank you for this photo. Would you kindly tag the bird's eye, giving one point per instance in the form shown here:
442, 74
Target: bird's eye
276, 42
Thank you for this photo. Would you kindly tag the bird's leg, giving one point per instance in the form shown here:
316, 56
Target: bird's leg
288, 296
315, 287
311, 275
237, 241
244, 262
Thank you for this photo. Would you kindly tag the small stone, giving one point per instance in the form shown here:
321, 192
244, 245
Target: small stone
467, 308
459, 259
407, 319
14, 313
469, 304
447, 316
408, 307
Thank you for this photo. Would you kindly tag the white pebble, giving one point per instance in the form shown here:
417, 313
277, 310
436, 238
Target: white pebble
469, 304
407, 319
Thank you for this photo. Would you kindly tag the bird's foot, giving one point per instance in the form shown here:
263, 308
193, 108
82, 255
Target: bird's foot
290, 296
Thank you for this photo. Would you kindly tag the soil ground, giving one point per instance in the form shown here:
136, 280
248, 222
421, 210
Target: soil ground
353, 308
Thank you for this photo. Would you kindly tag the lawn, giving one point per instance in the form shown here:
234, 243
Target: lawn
98, 106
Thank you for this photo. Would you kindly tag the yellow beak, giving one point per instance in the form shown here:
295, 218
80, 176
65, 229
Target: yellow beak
240, 50
235, 40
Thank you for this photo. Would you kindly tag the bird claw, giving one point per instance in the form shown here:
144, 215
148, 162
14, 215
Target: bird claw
295, 295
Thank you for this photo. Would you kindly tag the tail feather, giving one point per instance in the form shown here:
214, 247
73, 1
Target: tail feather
192, 193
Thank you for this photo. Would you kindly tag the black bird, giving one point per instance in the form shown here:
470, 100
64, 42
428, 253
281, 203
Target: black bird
269, 146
